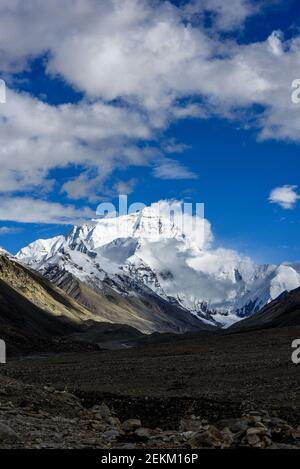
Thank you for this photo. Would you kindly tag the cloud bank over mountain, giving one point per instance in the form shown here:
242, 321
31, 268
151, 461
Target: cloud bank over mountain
139, 66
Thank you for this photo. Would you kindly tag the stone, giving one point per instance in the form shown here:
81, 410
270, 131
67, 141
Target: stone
102, 411
253, 439
142, 434
227, 438
6, 433
267, 441
127, 446
111, 434
131, 425
254, 413
190, 425
254, 420
234, 425
256, 431
210, 438
187, 435
98, 425
114, 422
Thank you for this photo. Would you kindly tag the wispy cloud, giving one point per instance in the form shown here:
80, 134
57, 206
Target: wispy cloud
171, 169
5, 230
125, 187
29, 210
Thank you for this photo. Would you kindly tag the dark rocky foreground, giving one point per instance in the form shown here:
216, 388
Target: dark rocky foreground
231, 390
41, 418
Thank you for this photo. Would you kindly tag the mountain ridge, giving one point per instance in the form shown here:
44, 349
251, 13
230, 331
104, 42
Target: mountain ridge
147, 253
284, 311
37, 316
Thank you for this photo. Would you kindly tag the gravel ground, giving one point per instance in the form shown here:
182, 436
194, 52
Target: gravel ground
210, 378
44, 418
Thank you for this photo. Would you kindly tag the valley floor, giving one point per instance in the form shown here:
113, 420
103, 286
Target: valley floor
197, 378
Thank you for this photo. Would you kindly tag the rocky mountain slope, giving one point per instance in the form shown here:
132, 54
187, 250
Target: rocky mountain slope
282, 312
33, 312
147, 258
39, 291
145, 310
37, 316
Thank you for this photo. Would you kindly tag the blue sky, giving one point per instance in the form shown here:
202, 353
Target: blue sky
209, 119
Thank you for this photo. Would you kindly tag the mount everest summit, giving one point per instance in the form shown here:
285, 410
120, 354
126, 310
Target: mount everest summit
146, 258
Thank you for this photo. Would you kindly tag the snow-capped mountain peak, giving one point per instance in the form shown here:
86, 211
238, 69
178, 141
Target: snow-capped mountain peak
155, 251
3, 252
153, 223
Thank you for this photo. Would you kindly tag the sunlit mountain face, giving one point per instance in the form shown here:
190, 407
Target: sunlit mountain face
148, 251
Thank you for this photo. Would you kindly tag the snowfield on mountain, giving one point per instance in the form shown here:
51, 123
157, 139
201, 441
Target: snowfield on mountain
149, 253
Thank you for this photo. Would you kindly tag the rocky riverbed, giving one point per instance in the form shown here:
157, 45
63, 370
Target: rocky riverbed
42, 417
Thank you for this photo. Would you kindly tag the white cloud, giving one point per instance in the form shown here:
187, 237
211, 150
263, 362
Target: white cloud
275, 42
285, 196
137, 62
125, 187
173, 147
171, 169
137, 50
227, 15
29, 210
37, 137
5, 230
